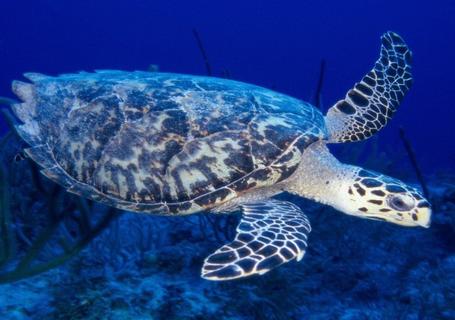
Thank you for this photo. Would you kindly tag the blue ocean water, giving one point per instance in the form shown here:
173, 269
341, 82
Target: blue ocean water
131, 266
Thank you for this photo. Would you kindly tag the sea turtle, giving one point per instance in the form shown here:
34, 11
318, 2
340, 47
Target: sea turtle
174, 144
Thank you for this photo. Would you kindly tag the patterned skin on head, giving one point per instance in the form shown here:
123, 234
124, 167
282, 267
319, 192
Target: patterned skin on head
376, 196
356, 191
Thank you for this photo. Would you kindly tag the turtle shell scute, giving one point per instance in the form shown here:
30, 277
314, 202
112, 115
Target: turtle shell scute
184, 143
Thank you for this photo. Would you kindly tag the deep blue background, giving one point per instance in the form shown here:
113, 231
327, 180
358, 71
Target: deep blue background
277, 44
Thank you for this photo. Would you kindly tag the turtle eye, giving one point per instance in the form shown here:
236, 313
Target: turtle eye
401, 202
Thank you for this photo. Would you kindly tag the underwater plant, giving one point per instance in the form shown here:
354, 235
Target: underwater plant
69, 222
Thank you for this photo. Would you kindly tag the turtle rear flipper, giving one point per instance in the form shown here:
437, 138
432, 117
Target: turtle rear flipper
270, 233
372, 102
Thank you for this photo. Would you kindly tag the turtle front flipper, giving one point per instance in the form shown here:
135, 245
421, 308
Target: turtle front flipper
270, 233
372, 102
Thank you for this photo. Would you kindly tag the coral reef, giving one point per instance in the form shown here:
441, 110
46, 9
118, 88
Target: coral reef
144, 267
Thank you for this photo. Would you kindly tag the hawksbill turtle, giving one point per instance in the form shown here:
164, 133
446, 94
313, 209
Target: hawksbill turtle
172, 144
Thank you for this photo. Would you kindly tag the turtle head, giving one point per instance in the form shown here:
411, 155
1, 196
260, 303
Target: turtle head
356, 191
375, 196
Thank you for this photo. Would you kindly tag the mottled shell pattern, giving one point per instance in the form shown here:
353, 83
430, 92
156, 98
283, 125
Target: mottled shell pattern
162, 143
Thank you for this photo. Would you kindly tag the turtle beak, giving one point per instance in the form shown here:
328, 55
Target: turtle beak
424, 217
420, 218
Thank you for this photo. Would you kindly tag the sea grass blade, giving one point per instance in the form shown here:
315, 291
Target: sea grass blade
201, 47
415, 164
27, 270
320, 83
7, 243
